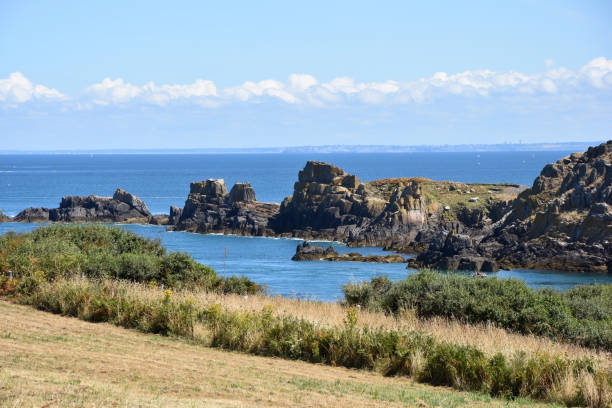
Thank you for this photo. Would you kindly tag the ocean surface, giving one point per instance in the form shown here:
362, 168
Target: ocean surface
163, 180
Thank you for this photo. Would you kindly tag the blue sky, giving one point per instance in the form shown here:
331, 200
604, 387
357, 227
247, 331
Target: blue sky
104, 74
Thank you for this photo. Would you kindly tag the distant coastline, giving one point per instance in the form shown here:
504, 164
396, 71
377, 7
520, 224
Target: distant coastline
499, 147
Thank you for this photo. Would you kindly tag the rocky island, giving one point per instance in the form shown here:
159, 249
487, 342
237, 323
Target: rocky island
563, 221
309, 252
121, 207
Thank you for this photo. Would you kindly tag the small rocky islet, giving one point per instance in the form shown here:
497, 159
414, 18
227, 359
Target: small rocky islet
562, 222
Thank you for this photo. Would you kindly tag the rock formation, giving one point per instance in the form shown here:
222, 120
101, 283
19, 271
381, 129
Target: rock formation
563, 222
308, 252
4, 218
122, 207
210, 208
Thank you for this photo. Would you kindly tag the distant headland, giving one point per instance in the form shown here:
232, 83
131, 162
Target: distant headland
446, 148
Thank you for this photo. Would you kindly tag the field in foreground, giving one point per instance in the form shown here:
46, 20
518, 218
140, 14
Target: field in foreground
52, 361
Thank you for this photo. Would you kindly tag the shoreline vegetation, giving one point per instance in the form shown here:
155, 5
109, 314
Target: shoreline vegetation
104, 274
56, 361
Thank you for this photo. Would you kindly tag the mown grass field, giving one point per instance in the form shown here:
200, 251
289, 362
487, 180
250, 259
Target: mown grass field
53, 361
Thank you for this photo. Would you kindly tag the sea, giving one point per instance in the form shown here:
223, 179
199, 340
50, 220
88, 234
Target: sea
162, 180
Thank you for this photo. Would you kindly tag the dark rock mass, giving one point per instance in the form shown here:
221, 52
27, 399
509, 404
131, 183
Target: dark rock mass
308, 252
175, 215
4, 217
563, 222
122, 207
33, 214
210, 208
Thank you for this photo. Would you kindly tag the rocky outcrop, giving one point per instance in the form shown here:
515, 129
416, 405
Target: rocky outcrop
122, 207
175, 215
33, 214
4, 218
242, 192
308, 252
563, 222
327, 203
210, 208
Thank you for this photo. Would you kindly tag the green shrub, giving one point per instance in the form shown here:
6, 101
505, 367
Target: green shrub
99, 251
582, 315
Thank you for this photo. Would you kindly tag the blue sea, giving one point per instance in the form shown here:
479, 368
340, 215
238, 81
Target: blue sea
162, 180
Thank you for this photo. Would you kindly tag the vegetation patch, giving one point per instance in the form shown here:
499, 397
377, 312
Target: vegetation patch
99, 251
582, 315
391, 352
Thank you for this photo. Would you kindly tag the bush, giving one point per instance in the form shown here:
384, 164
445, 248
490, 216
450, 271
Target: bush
582, 315
99, 251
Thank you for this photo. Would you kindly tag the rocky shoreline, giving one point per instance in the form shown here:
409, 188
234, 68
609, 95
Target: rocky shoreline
563, 222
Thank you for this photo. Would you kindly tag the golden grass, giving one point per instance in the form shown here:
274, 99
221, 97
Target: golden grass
52, 361
487, 338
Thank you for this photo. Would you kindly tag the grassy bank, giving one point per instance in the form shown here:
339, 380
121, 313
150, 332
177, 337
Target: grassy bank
54, 361
538, 374
99, 251
581, 315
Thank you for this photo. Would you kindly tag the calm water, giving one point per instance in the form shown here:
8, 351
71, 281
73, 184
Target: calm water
163, 180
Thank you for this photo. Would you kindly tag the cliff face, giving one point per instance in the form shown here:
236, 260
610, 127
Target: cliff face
122, 207
564, 221
210, 208
326, 203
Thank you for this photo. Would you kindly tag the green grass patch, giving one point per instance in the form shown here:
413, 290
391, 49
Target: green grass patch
581, 315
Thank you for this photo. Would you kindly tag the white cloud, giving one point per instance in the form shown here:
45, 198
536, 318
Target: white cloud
17, 89
304, 89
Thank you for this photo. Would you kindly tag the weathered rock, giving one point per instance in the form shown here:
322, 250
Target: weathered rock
175, 215
159, 219
564, 221
122, 207
209, 208
33, 214
4, 217
242, 192
308, 252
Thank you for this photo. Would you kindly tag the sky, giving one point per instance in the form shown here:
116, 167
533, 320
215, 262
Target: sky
148, 74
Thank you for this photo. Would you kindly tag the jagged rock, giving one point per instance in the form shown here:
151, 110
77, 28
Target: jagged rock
33, 214
175, 215
4, 218
308, 252
122, 207
242, 192
209, 208
564, 221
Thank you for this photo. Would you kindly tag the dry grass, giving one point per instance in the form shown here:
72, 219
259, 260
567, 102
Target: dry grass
53, 361
487, 338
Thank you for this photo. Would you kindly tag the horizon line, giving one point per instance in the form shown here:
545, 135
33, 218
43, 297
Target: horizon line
335, 148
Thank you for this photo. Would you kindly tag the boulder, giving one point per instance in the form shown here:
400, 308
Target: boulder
33, 214
242, 192
175, 215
